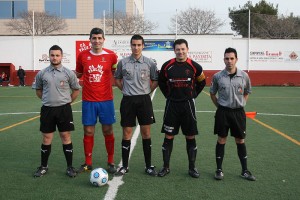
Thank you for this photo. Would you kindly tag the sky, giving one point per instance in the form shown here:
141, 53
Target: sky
161, 11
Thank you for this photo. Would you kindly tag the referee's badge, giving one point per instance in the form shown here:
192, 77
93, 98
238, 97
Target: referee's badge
240, 90
62, 83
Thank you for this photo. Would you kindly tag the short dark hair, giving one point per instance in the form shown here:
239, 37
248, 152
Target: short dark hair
231, 50
180, 41
96, 31
56, 47
137, 37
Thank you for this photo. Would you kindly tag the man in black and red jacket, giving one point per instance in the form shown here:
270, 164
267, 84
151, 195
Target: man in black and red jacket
181, 80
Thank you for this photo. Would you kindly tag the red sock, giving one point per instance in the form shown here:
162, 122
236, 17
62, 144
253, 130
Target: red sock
88, 143
110, 147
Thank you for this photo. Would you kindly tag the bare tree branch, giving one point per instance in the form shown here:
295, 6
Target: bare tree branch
44, 23
273, 27
129, 24
196, 21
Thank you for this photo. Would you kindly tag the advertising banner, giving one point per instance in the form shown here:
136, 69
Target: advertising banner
158, 45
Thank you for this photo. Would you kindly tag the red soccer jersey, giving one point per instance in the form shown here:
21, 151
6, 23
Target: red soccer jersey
97, 74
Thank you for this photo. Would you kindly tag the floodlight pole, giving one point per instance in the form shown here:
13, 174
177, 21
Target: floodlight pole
104, 21
33, 45
176, 26
249, 21
113, 17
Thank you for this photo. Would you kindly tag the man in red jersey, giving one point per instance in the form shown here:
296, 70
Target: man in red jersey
96, 66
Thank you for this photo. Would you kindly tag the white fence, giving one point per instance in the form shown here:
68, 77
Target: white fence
255, 54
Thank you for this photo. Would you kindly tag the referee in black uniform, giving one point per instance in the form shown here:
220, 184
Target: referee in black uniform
233, 87
180, 80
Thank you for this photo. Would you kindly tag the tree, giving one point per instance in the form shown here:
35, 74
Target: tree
264, 21
274, 27
240, 18
44, 23
129, 24
196, 21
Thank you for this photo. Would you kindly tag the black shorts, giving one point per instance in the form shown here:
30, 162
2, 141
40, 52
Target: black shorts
233, 119
138, 106
180, 114
60, 116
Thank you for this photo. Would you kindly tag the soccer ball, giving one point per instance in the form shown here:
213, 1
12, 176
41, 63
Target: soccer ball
99, 177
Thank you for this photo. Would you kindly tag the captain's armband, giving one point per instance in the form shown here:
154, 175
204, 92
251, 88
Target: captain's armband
201, 77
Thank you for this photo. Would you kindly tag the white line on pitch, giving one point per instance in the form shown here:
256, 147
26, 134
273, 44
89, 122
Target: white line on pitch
116, 182
199, 111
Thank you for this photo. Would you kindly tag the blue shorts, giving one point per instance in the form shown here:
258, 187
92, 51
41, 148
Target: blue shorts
105, 110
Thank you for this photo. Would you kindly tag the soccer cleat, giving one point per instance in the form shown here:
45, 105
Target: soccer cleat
219, 175
40, 171
85, 168
151, 171
111, 168
194, 173
71, 172
122, 171
164, 171
247, 175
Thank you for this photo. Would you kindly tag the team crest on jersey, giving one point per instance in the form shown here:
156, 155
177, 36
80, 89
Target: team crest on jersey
187, 72
95, 77
98, 68
89, 58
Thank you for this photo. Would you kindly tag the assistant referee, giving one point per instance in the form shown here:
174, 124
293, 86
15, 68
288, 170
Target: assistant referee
233, 87
57, 87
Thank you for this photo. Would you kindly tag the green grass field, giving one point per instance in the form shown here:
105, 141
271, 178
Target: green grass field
273, 146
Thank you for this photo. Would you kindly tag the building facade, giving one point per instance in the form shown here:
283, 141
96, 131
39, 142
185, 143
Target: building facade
80, 15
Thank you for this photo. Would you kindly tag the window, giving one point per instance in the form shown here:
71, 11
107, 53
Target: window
63, 8
12, 9
100, 6
120, 5
107, 5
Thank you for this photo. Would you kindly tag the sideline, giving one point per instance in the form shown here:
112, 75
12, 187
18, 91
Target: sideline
277, 131
19, 123
116, 182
